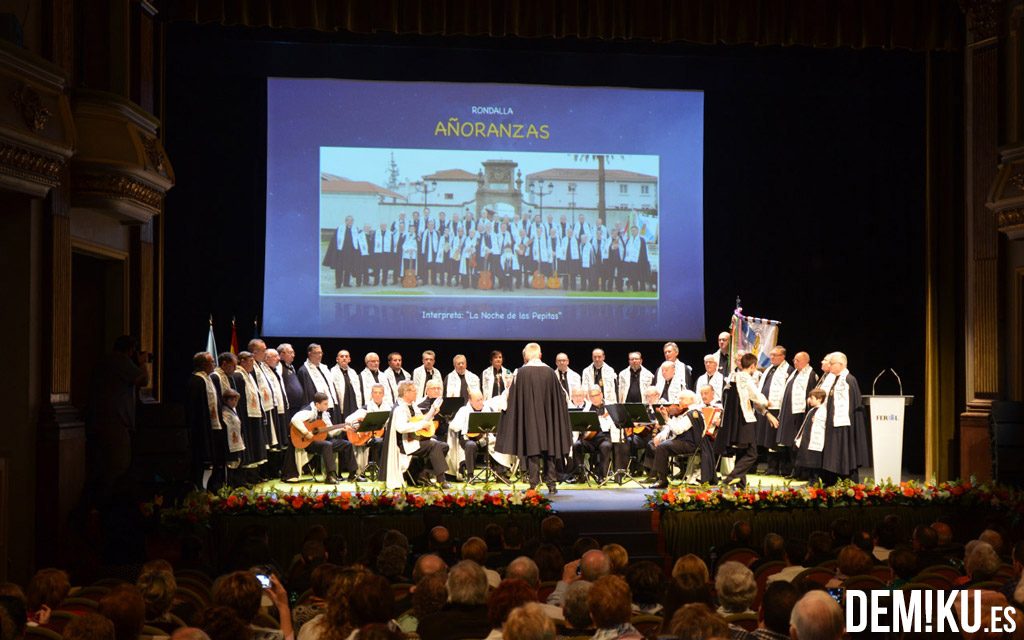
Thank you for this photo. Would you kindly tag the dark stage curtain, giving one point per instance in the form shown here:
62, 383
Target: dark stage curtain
920, 25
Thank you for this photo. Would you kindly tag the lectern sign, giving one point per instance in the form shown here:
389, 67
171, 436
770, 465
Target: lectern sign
887, 414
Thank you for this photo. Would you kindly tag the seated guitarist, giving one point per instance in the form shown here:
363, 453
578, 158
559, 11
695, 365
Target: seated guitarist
643, 432
401, 443
318, 410
370, 452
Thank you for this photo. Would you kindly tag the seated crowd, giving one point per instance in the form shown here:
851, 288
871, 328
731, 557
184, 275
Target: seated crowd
501, 586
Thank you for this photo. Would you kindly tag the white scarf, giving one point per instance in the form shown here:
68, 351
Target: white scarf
211, 400
817, 442
799, 398
253, 408
778, 386
320, 374
841, 401
266, 395
234, 426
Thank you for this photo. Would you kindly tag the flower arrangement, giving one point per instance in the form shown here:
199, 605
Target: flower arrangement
845, 493
197, 507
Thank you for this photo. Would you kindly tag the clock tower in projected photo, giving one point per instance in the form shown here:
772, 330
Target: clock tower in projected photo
498, 184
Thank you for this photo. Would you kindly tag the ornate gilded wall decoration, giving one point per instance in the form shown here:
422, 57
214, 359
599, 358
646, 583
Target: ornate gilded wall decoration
27, 100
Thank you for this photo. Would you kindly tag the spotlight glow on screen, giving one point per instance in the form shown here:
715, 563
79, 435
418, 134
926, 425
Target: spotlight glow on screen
483, 211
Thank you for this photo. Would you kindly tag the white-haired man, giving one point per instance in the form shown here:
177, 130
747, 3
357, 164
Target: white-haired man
712, 376
846, 446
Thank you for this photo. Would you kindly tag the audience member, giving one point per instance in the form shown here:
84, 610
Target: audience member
852, 561
774, 550
335, 623
982, 564
993, 538
89, 626
549, 561
592, 565
46, 590
679, 595
509, 595
241, 591
429, 597
157, 589
526, 569
314, 553
647, 584
475, 549
465, 615
741, 536
610, 609
583, 545
576, 611
776, 607
885, 537
223, 623
816, 616
13, 617
924, 540
618, 557
904, 565
819, 548
736, 588
391, 563
840, 530
691, 571
992, 604
320, 584
697, 621
371, 601
528, 622
1008, 589
379, 631
124, 607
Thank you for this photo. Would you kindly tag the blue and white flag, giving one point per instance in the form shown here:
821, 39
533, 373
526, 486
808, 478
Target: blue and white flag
753, 335
648, 225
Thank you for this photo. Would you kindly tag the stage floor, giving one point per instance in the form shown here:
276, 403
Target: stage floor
570, 497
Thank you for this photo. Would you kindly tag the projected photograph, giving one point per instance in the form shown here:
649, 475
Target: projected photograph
435, 222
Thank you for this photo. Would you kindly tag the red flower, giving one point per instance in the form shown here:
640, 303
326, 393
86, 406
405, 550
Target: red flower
461, 501
297, 502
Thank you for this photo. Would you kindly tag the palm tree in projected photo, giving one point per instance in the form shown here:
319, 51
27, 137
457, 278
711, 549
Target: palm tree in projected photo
601, 158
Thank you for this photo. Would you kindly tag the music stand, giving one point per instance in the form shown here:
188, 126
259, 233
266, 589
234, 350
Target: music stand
449, 407
373, 421
585, 422
485, 423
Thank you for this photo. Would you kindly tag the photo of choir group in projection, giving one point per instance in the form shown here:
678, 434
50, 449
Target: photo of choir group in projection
562, 231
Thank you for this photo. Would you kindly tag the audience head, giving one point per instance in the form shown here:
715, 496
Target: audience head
982, 563
992, 604
321, 579
549, 561
816, 616
392, 560
475, 549
691, 571
774, 547
610, 602
509, 595
697, 621
841, 531
552, 528
944, 533
777, 605
89, 626
430, 595
583, 545
736, 587
222, 623
380, 631
994, 538
594, 564
123, 605
854, 561
157, 588
428, 564
528, 622
819, 544
467, 584
493, 536
863, 541
240, 591
925, 538
741, 533
903, 563
617, 556
576, 605
525, 569
47, 587
371, 600
646, 582
886, 535
14, 617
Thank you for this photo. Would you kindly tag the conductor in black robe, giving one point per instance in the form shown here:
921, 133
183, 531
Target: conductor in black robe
535, 426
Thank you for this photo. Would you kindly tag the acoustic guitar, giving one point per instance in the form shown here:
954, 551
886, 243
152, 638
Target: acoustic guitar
409, 279
362, 438
318, 428
428, 429
538, 281
554, 282
485, 281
